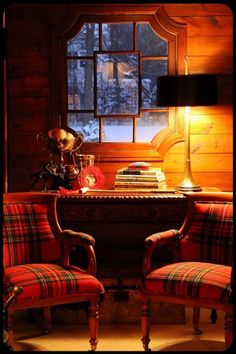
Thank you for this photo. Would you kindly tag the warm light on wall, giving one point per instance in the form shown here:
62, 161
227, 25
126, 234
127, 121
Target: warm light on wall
186, 91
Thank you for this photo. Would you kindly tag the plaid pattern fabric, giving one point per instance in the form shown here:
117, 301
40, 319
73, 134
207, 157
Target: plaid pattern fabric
160, 237
198, 280
210, 235
41, 281
27, 235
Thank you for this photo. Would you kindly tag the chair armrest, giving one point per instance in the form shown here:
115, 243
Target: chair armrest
16, 291
73, 238
77, 238
164, 238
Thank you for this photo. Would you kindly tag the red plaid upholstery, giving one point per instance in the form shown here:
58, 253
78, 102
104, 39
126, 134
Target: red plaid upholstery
50, 281
199, 280
36, 260
209, 237
203, 254
27, 235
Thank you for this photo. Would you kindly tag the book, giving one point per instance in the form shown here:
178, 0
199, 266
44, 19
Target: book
144, 178
129, 184
140, 175
140, 165
130, 171
134, 188
141, 189
144, 190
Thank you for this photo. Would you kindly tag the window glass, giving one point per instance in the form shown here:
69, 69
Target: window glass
117, 130
85, 123
80, 84
150, 124
104, 87
117, 83
85, 42
151, 69
117, 36
149, 42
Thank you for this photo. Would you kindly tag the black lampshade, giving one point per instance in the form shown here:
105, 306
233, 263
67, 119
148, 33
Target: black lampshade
187, 90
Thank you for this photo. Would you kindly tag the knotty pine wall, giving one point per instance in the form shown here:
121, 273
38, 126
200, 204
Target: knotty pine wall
28, 48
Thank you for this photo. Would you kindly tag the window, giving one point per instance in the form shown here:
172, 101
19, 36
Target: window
110, 67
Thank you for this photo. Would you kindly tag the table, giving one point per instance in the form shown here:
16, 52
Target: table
119, 222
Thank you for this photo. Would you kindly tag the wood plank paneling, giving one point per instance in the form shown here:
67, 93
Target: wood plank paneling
34, 43
29, 86
207, 144
189, 10
26, 143
174, 162
217, 124
210, 46
217, 64
223, 180
213, 110
208, 25
32, 65
24, 126
200, 162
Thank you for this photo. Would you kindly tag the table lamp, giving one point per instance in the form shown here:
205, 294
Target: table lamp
185, 91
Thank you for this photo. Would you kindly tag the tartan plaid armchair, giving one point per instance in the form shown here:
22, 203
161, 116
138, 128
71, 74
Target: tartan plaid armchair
201, 272
36, 255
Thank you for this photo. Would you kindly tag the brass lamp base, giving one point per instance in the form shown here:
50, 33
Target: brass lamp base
187, 188
187, 184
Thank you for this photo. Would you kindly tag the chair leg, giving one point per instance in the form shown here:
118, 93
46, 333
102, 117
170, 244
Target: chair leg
196, 320
30, 315
9, 329
145, 324
228, 330
213, 316
47, 319
93, 324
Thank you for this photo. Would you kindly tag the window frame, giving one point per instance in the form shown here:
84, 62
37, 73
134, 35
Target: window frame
176, 35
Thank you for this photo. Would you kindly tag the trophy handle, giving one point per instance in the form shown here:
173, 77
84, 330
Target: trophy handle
79, 141
42, 140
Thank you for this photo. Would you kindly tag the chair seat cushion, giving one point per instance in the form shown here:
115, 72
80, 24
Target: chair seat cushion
50, 281
198, 280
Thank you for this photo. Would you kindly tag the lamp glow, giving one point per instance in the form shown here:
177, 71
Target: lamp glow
185, 91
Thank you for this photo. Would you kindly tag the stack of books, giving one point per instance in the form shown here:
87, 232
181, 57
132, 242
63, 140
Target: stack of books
140, 175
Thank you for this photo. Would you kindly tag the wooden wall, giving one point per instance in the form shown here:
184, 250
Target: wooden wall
28, 49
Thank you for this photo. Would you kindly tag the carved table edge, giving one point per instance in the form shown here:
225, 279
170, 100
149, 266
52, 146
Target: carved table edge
124, 197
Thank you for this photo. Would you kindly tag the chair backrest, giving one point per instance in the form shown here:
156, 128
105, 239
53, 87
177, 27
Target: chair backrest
208, 229
29, 228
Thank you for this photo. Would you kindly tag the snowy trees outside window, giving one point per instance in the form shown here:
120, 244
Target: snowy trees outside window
117, 84
112, 71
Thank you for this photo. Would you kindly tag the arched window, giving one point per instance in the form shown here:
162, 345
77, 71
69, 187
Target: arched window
109, 63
